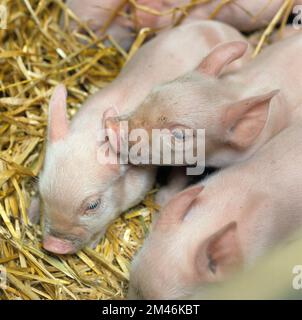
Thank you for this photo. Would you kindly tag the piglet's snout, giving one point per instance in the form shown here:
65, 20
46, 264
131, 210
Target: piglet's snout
57, 245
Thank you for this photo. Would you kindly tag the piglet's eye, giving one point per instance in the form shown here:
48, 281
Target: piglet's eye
178, 134
92, 206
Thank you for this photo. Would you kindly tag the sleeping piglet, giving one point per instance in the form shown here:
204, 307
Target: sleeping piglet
206, 234
83, 194
244, 15
96, 14
233, 108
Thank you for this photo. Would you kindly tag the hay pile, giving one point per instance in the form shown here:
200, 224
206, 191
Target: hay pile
35, 55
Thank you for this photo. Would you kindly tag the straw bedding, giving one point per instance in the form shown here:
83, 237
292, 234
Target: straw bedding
35, 55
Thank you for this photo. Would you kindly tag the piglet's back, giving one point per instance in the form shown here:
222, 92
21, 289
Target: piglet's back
168, 56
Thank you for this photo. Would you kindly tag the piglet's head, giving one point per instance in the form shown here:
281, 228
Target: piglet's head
76, 189
205, 99
177, 259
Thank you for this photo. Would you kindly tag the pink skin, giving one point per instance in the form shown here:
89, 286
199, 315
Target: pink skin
96, 14
34, 210
244, 15
208, 233
81, 196
233, 108
240, 14
177, 181
277, 35
57, 245
287, 31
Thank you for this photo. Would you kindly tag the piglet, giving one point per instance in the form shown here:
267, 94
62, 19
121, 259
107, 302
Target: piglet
96, 14
82, 191
240, 111
209, 232
242, 14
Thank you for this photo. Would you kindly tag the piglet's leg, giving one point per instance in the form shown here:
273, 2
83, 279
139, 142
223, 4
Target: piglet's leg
96, 240
34, 210
178, 181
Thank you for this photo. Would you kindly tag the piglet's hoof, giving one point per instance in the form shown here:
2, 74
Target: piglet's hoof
34, 210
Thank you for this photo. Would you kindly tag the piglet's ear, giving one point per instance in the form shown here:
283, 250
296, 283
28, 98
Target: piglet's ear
221, 56
112, 126
220, 254
108, 114
110, 119
177, 208
57, 118
245, 120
